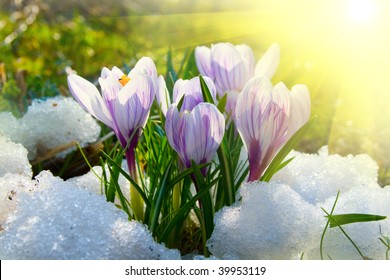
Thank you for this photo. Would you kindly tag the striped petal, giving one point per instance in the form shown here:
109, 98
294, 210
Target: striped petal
229, 69
88, 96
299, 108
162, 95
192, 91
195, 135
267, 65
248, 57
203, 61
262, 122
132, 106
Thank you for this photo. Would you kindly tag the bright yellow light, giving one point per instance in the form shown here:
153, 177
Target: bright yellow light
360, 11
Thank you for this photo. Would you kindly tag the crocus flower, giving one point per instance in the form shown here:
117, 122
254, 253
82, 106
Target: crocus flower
196, 134
124, 104
262, 119
267, 117
192, 92
232, 66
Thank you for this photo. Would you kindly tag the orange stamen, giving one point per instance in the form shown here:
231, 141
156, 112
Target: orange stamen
124, 80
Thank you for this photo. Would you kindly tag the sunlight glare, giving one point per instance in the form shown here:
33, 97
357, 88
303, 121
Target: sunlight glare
361, 11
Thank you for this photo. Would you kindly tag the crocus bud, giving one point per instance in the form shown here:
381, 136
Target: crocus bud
262, 118
195, 135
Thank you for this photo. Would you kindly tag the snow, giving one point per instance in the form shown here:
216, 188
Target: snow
283, 219
13, 159
63, 221
49, 124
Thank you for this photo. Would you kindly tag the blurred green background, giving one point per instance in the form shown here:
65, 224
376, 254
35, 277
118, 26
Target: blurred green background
339, 49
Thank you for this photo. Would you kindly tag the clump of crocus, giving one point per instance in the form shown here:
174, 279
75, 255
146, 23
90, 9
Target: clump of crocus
232, 66
124, 104
266, 117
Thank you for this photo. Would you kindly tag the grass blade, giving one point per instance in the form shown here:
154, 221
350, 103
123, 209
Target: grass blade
344, 219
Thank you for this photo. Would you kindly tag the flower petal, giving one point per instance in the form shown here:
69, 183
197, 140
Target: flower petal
110, 88
203, 61
299, 108
132, 106
192, 91
262, 121
89, 98
248, 57
195, 135
144, 66
267, 65
162, 95
229, 69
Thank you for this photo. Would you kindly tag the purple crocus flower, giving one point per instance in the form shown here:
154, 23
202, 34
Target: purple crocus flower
192, 92
262, 119
124, 104
196, 134
232, 66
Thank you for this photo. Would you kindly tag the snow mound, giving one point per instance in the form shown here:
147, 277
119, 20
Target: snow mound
66, 222
50, 123
283, 219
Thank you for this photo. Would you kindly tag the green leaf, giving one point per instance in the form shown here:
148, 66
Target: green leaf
226, 172
171, 75
156, 206
222, 104
343, 219
207, 97
127, 176
286, 149
190, 69
180, 104
182, 213
205, 201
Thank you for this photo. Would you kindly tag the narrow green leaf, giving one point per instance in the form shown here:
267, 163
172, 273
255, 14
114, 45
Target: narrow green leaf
226, 172
171, 75
123, 201
191, 70
182, 213
222, 104
157, 203
286, 149
326, 227
170, 68
180, 104
127, 176
343, 219
184, 174
207, 97
284, 163
330, 219
205, 202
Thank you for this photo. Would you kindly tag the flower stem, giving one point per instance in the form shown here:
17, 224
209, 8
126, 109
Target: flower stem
135, 197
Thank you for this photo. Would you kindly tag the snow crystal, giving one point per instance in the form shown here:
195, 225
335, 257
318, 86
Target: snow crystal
50, 123
13, 159
66, 222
